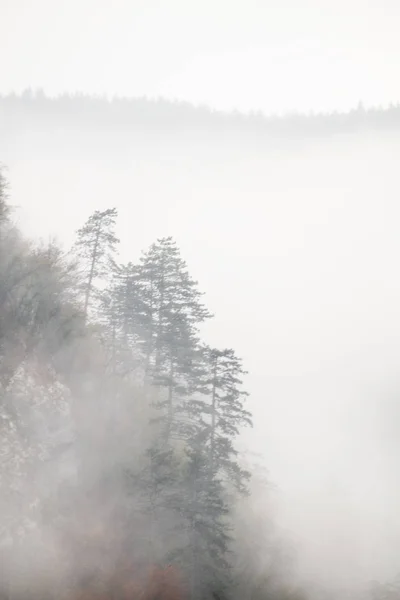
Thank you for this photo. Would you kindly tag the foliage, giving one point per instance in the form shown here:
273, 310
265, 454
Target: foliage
96, 246
118, 424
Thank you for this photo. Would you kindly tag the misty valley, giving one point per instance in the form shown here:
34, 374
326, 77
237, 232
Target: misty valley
199, 342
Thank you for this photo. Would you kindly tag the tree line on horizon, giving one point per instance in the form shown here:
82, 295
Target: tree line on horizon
181, 115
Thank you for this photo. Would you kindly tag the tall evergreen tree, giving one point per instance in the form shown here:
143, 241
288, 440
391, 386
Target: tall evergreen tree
219, 406
127, 303
205, 513
96, 245
169, 314
122, 307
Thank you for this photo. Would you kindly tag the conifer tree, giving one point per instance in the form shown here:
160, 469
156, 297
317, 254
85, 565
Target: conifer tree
122, 307
170, 312
96, 245
127, 303
203, 507
220, 408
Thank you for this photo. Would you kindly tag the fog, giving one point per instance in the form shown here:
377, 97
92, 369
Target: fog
259, 55
295, 244
293, 237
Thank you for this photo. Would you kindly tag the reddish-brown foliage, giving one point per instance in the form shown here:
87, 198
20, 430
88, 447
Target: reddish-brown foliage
165, 584
158, 583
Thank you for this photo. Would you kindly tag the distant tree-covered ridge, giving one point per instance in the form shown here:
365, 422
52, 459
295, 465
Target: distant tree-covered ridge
131, 113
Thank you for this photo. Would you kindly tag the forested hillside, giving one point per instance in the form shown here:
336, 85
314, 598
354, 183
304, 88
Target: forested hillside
118, 428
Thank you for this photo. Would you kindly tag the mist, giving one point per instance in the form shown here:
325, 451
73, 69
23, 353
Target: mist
295, 242
290, 226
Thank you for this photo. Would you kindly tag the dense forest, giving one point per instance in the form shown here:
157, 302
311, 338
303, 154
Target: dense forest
118, 426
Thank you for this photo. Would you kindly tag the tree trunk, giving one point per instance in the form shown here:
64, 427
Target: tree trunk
213, 415
91, 272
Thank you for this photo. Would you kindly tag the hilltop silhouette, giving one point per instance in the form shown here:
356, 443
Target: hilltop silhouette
159, 114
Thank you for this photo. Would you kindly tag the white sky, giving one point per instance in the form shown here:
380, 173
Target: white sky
269, 54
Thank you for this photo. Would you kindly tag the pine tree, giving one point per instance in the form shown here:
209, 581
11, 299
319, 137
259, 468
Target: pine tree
205, 517
122, 308
170, 312
219, 406
127, 303
96, 245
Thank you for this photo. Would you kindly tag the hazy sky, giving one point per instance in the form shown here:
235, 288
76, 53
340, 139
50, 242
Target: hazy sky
291, 54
